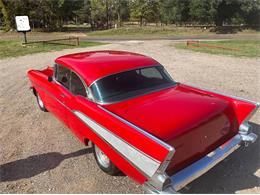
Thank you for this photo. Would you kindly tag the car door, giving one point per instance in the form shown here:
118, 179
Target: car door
77, 100
58, 93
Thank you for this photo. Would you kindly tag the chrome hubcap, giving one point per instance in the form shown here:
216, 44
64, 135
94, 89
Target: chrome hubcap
40, 101
102, 158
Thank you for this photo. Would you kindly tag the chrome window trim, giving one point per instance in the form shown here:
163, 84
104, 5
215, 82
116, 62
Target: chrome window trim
87, 89
155, 90
152, 91
156, 65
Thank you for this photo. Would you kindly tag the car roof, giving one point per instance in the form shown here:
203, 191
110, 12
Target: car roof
97, 64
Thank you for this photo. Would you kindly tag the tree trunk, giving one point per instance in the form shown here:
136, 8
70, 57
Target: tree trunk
7, 22
119, 22
219, 22
107, 13
141, 21
118, 18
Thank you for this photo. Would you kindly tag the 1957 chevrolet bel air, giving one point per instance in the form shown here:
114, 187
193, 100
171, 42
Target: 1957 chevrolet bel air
161, 133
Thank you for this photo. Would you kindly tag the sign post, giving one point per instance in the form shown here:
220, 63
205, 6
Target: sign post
22, 25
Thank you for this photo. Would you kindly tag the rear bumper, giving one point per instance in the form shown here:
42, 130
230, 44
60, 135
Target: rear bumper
195, 170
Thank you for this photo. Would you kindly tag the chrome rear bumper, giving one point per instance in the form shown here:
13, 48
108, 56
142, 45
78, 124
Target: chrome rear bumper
195, 170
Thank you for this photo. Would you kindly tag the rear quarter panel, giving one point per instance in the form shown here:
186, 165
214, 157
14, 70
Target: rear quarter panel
241, 109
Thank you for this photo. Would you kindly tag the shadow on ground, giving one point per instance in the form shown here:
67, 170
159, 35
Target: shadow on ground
226, 176
34, 165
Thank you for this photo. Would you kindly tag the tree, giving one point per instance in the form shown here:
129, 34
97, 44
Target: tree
201, 11
98, 14
145, 11
250, 12
51, 15
122, 9
225, 10
174, 11
6, 16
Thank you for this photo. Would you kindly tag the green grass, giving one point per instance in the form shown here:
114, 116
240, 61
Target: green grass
161, 31
247, 48
13, 48
148, 31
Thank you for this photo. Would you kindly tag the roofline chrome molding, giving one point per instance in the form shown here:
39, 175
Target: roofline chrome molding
160, 180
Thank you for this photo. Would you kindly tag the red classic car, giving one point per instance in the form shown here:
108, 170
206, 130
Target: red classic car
161, 133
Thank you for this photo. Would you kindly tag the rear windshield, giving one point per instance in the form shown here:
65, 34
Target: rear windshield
124, 85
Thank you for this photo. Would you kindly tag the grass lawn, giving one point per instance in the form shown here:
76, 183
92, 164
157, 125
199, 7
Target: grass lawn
13, 48
148, 31
247, 48
158, 32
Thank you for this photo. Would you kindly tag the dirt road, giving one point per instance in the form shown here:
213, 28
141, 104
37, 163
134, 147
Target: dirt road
39, 155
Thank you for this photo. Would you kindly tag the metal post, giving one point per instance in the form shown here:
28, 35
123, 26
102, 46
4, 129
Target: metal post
25, 38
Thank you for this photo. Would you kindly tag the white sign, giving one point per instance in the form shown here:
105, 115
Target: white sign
22, 23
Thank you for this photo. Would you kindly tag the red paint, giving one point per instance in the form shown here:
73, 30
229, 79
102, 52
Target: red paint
179, 115
94, 65
192, 120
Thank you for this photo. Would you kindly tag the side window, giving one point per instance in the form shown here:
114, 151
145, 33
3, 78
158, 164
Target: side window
76, 86
63, 75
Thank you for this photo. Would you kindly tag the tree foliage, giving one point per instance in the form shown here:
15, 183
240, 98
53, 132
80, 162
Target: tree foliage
100, 14
5, 15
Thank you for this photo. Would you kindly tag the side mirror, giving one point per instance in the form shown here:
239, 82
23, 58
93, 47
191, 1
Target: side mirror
50, 79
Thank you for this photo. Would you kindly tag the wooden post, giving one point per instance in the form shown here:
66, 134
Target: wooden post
77, 41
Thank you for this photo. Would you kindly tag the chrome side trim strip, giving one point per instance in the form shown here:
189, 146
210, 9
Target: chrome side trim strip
145, 163
159, 180
167, 146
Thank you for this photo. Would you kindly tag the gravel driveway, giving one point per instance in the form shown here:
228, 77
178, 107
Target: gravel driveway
39, 155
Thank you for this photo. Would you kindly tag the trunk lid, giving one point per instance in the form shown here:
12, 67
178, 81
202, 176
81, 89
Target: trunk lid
194, 123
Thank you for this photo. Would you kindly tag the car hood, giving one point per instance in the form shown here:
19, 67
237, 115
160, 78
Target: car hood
170, 112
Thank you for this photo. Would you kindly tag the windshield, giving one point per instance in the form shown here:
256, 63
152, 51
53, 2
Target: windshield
124, 85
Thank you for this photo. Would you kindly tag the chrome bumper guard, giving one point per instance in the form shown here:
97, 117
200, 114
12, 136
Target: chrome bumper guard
195, 170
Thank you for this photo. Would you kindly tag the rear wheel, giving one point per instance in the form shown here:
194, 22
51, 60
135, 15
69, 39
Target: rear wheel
40, 103
104, 162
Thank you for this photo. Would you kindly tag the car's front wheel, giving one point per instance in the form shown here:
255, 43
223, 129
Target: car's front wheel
104, 162
40, 102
